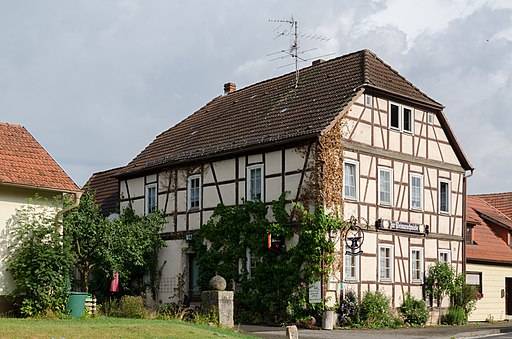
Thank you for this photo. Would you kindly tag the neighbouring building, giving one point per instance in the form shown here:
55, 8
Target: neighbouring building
501, 201
26, 169
489, 257
351, 134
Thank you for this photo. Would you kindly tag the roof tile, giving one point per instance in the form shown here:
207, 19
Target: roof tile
274, 110
488, 246
23, 161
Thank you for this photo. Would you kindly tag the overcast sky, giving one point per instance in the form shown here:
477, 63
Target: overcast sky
96, 80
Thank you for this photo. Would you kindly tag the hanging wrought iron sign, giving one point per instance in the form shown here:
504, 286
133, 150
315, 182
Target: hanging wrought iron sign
354, 238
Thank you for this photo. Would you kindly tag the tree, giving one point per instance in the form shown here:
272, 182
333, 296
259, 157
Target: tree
40, 260
127, 245
86, 230
439, 282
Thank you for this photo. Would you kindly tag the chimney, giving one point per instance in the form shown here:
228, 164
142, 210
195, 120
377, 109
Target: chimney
318, 62
229, 88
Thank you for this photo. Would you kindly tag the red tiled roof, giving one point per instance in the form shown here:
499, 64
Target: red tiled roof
106, 190
500, 201
488, 245
23, 161
274, 111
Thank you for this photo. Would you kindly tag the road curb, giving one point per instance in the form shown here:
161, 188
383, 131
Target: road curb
482, 333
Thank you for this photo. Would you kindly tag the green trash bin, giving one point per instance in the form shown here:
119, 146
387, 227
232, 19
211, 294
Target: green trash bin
76, 304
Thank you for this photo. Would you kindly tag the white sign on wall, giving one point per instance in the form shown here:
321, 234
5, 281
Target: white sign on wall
315, 293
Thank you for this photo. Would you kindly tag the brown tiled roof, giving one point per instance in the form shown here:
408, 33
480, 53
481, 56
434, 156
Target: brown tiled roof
274, 111
23, 161
105, 187
500, 201
488, 245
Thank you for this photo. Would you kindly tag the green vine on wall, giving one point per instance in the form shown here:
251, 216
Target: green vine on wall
275, 289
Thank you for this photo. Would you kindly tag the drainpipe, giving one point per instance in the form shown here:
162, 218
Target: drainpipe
464, 217
75, 204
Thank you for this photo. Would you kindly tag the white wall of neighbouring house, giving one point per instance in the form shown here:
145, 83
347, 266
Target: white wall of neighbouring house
492, 304
11, 199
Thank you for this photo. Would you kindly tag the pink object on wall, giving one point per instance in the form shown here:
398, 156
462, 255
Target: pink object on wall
114, 284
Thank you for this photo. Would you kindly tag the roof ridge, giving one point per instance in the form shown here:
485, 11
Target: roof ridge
501, 214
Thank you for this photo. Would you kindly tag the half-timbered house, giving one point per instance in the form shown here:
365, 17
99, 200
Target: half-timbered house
351, 134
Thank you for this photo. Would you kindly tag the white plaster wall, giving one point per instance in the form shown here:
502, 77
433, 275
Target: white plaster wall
172, 256
11, 199
493, 281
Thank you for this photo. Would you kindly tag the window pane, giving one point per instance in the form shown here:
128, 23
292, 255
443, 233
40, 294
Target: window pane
395, 116
349, 180
150, 199
407, 120
385, 187
416, 192
443, 197
255, 183
385, 263
194, 192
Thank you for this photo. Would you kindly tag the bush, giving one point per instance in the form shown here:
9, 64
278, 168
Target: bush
463, 295
128, 307
456, 316
376, 312
414, 311
349, 310
39, 260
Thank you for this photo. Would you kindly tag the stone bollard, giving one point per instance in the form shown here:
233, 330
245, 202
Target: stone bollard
219, 300
292, 332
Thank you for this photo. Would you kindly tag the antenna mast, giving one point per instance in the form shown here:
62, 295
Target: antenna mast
293, 50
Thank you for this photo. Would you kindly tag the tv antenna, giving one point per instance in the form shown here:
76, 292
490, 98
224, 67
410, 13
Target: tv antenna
289, 28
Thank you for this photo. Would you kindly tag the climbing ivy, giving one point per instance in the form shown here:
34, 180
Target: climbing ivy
274, 289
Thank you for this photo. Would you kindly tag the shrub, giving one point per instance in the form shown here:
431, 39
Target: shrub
414, 311
376, 312
456, 316
128, 307
349, 310
39, 260
463, 295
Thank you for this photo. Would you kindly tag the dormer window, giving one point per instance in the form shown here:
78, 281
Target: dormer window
469, 234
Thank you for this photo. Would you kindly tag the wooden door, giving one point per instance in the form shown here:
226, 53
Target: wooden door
508, 296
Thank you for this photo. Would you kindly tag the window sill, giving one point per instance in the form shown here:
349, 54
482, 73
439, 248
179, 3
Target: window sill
193, 209
352, 199
385, 281
416, 209
385, 204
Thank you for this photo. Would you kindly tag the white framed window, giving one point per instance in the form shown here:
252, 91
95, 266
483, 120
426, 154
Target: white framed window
430, 118
416, 259
255, 189
444, 255
351, 267
416, 191
408, 121
194, 192
385, 186
386, 257
350, 179
150, 198
394, 116
444, 196
401, 118
368, 100
251, 262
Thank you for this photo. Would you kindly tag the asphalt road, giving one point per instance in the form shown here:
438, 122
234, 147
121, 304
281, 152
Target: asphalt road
498, 330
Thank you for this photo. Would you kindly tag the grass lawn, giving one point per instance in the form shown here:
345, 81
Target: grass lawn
102, 327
